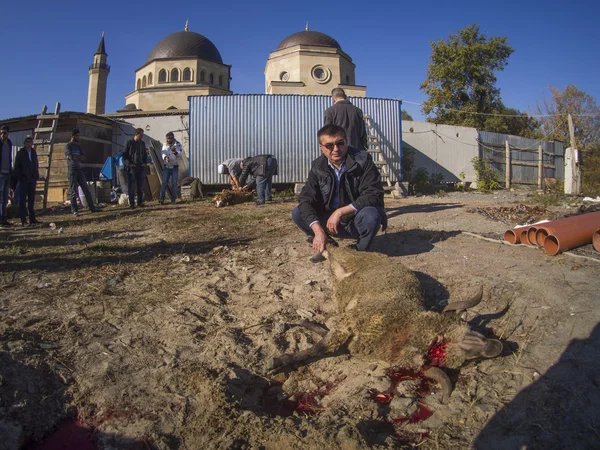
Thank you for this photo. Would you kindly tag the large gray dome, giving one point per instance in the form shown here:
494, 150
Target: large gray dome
185, 44
315, 38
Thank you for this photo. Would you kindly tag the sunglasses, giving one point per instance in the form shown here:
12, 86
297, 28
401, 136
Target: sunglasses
331, 145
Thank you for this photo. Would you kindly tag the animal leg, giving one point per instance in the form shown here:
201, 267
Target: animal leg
465, 304
475, 345
437, 374
311, 326
332, 341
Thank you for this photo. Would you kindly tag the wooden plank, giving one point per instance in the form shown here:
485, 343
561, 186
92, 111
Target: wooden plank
540, 166
95, 124
91, 139
532, 164
44, 130
47, 116
507, 156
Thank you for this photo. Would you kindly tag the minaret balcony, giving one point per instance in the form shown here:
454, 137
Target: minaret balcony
100, 66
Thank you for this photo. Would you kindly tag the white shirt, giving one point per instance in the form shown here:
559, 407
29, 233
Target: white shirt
167, 152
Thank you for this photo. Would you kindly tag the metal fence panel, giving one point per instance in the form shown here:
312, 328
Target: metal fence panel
285, 126
523, 150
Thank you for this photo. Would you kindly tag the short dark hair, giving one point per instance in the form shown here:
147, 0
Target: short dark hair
139, 131
331, 130
4, 128
338, 93
170, 134
75, 132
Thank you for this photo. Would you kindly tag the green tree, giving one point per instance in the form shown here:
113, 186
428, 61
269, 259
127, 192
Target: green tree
406, 116
461, 80
512, 121
583, 109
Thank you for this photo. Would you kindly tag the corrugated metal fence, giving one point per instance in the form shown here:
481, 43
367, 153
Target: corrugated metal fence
524, 155
285, 126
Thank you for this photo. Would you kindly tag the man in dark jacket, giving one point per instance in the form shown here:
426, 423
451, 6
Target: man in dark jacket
135, 158
262, 168
342, 196
5, 169
349, 117
25, 174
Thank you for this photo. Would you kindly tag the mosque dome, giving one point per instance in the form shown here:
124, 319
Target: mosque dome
307, 37
185, 44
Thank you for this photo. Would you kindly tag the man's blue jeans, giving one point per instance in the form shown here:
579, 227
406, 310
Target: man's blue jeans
171, 173
135, 178
77, 177
264, 184
363, 226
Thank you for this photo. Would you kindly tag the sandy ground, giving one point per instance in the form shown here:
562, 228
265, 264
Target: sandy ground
152, 328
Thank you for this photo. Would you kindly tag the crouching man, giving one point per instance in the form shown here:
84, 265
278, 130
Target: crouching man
342, 196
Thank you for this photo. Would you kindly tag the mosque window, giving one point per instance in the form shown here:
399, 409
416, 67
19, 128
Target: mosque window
211, 79
187, 74
220, 80
321, 74
139, 83
202, 76
174, 75
284, 76
144, 81
162, 76
347, 79
150, 79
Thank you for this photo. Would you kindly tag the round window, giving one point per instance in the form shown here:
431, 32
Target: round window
284, 76
321, 74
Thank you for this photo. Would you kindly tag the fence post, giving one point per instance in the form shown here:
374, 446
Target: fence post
540, 166
507, 151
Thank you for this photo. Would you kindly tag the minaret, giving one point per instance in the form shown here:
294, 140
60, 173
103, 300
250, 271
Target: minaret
98, 76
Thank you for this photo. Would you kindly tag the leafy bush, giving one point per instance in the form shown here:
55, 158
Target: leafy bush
487, 180
423, 183
591, 173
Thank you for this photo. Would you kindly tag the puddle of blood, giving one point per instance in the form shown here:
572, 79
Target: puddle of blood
70, 435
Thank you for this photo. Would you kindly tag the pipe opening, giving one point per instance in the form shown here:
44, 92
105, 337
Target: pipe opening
531, 236
540, 236
511, 237
523, 237
551, 245
596, 240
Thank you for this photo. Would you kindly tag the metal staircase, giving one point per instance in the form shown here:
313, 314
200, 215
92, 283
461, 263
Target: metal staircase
43, 142
374, 148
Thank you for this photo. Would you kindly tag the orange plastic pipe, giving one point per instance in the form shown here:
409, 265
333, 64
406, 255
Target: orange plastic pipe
514, 236
568, 223
596, 240
568, 239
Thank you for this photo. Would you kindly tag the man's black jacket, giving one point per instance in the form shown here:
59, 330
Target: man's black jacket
360, 185
23, 169
255, 166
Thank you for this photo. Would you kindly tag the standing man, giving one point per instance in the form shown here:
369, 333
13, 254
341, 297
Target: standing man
74, 156
25, 175
342, 196
5, 169
262, 168
171, 154
135, 158
349, 117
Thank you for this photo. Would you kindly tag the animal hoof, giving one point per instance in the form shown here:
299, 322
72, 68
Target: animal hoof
317, 258
493, 347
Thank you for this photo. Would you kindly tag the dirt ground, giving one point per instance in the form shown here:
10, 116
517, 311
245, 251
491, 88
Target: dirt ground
152, 328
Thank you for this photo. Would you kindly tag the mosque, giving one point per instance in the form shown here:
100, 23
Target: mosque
186, 63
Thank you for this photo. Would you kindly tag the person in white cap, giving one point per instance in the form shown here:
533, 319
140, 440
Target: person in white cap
233, 168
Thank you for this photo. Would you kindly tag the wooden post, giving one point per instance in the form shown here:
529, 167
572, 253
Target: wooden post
575, 178
507, 165
540, 166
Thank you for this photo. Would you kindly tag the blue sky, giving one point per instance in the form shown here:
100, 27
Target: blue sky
48, 45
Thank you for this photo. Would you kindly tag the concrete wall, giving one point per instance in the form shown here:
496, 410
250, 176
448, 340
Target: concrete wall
442, 149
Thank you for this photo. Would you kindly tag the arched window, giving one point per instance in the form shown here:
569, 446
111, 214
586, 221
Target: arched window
202, 76
144, 81
211, 79
187, 74
174, 75
220, 80
162, 76
150, 79
139, 83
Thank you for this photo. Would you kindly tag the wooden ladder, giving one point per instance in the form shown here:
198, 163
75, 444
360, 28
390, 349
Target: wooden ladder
43, 142
374, 148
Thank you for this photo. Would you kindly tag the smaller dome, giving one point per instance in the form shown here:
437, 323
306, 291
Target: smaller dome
315, 38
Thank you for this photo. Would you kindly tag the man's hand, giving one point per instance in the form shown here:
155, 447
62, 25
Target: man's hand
334, 221
245, 188
167, 159
320, 240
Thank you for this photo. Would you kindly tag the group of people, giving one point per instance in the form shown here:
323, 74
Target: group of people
342, 196
19, 178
